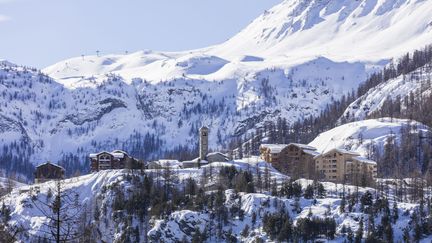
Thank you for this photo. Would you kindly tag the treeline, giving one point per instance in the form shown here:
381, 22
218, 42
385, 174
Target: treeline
416, 106
405, 65
305, 130
407, 157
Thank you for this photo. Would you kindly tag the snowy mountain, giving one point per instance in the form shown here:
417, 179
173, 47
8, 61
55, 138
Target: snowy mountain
365, 136
290, 62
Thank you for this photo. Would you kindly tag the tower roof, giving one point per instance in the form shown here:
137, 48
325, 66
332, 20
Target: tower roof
204, 128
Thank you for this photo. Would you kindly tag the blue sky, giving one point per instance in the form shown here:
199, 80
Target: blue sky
41, 32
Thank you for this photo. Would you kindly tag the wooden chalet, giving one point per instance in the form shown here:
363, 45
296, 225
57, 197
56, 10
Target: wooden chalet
116, 159
47, 172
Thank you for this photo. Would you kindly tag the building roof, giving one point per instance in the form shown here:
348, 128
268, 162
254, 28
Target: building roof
49, 163
339, 150
120, 151
195, 161
303, 146
364, 160
274, 148
118, 154
217, 153
311, 152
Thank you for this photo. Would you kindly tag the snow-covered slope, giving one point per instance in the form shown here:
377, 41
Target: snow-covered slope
111, 222
56, 122
291, 33
362, 136
290, 62
342, 30
417, 83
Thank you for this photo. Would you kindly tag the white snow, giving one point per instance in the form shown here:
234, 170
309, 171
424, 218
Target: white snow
416, 82
290, 62
359, 136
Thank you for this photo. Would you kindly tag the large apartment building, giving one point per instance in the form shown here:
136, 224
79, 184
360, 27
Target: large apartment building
340, 165
303, 161
294, 159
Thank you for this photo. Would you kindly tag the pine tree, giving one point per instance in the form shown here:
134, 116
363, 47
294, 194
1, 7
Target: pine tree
395, 212
309, 192
359, 233
406, 235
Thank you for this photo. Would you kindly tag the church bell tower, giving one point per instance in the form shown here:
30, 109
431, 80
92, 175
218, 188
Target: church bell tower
203, 143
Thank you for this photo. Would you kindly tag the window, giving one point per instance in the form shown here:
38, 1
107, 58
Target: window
104, 161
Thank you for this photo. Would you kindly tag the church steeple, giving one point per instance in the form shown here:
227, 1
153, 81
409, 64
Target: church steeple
203, 143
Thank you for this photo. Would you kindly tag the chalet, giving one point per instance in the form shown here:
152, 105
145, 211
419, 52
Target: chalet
47, 172
294, 159
116, 159
343, 166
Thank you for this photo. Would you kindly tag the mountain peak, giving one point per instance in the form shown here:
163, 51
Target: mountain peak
338, 29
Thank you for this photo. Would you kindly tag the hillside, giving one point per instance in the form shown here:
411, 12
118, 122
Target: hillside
365, 136
393, 97
274, 68
112, 202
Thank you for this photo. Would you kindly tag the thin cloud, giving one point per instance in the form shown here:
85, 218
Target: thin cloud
4, 18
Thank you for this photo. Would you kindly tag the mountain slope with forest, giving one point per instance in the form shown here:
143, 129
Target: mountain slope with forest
157, 101
235, 201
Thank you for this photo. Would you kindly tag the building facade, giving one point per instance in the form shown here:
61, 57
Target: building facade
48, 172
300, 162
343, 166
272, 153
116, 159
294, 159
336, 165
361, 171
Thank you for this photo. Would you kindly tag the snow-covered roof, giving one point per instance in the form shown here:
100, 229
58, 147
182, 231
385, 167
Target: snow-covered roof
364, 160
49, 163
120, 151
339, 150
274, 148
194, 162
168, 162
94, 155
311, 152
344, 151
118, 154
217, 153
303, 146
